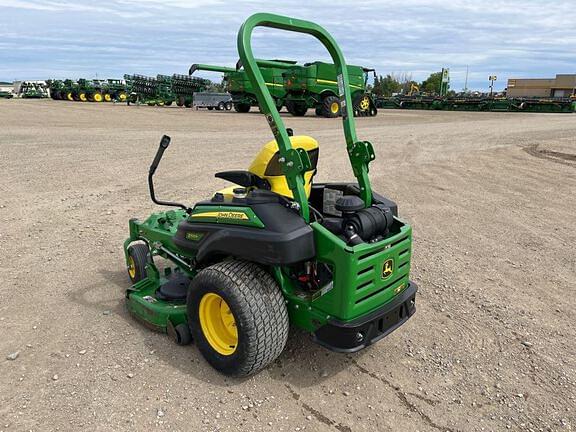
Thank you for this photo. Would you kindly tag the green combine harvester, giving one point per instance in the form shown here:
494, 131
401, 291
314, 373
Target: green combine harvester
315, 86
234, 271
297, 87
240, 88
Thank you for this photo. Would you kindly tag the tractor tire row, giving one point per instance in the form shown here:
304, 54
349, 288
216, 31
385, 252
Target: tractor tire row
84, 96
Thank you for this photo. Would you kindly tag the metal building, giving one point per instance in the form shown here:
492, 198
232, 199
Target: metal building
564, 85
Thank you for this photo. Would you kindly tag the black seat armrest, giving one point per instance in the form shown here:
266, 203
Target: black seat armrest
244, 179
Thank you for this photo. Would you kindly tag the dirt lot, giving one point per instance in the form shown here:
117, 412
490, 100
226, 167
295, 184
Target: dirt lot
491, 199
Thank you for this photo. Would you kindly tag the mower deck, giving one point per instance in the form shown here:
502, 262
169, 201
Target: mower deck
147, 304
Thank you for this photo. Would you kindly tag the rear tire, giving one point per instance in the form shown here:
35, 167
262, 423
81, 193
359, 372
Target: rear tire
242, 107
137, 259
221, 106
228, 106
297, 109
364, 106
330, 107
242, 303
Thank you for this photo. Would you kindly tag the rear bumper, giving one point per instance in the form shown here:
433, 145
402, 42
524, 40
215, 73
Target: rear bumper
352, 336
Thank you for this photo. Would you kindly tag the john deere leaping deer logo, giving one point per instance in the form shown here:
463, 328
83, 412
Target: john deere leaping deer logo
387, 268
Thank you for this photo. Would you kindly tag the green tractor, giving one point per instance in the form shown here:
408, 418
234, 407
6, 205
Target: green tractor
235, 270
70, 90
315, 86
114, 90
240, 87
90, 90
56, 89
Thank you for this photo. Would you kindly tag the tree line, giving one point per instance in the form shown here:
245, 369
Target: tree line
404, 84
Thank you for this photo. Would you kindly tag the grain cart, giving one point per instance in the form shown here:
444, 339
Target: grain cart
276, 248
315, 86
184, 88
240, 87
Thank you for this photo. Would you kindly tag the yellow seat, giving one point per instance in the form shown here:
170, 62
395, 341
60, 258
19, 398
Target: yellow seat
266, 166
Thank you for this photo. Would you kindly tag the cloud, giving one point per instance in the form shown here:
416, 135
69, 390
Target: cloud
510, 38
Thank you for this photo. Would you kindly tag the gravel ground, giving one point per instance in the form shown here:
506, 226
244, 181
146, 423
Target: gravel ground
491, 199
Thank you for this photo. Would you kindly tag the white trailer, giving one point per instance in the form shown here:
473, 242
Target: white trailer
211, 101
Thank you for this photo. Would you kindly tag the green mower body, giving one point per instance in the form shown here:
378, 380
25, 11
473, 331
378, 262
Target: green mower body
332, 259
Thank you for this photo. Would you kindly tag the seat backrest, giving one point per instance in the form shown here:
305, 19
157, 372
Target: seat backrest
267, 166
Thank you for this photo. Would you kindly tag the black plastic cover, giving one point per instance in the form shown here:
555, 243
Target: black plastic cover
352, 336
285, 239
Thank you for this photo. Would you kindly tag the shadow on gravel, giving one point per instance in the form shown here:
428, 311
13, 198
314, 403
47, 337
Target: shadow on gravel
559, 157
302, 363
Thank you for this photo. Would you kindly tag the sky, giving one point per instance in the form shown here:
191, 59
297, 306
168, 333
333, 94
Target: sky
41, 39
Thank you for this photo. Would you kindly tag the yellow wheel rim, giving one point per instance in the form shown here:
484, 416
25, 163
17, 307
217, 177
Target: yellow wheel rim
122, 96
365, 103
131, 267
107, 97
97, 97
334, 107
83, 97
218, 324
69, 96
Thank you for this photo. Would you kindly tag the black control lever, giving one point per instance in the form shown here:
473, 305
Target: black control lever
164, 143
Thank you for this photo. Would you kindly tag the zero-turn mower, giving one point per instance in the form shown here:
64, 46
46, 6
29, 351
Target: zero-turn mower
276, 248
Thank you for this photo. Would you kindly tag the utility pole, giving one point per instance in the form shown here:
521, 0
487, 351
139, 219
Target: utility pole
466, 82
444, 80
492, 78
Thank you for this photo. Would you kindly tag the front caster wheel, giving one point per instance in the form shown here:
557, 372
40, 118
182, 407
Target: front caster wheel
180, 333
137, 260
